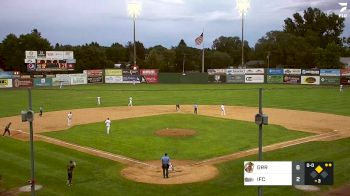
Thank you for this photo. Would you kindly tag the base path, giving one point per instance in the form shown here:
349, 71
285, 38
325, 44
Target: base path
326, 126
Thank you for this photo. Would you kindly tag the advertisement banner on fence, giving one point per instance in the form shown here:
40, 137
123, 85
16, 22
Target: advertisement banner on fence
113, 72
131, 76
345, 80
329, 72
220, 78
275, 71
42, 82
22, 82
255, 71
310, 72
291, 79
314, 80
5, 83
235, 78
94, 76
254, 78
76, 79
54, 55
235, 71
61, 78
6, 74
329, 80
216, 71
150, 75
31, 54
292, 71
345, 72
113, 79
274, 79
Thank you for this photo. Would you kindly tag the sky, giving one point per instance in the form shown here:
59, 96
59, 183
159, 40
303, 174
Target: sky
161, 22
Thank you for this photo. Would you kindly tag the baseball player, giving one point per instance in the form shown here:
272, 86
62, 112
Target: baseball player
7, 129
165, 165
195, 108
61, 84
98, 100
223, 112
130, 101
41, 111
108, 125
341, 88
177, 107
70, 167
69, 118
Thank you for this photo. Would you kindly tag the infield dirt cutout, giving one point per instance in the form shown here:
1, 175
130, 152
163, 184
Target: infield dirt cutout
326, 127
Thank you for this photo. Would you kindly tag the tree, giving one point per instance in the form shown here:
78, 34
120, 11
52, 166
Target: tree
140, 52
217, 59
328, 57
318, 28
117, 53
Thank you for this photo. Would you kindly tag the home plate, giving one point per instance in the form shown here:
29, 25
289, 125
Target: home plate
307, 187
27, 188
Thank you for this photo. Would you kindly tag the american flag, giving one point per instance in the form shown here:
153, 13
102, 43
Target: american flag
199, 39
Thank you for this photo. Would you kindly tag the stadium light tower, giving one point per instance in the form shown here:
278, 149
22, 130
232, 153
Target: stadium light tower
134, 10
243, 6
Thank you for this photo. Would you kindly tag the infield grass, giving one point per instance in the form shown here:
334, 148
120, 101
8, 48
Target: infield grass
316, 98
136, 138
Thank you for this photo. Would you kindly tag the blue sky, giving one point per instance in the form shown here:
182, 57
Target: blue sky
161, 22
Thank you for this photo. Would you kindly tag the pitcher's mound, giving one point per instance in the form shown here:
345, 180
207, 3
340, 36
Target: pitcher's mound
184, 172
169, 132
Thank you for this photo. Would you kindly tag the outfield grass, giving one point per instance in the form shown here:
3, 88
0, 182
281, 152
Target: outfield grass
317, 98
135, 137
97, 176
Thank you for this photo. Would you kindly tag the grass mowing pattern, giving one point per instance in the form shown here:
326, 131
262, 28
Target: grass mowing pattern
316, 98
135, 137
96, 176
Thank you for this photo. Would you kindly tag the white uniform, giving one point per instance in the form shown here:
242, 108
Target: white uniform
69, 118
223, 112
130, 101
341, 88
98, 100
108, 125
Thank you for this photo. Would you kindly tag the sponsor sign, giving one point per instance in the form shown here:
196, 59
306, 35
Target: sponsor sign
219, 78
113, 79
29, 61
22, 82
94, 76
50, 75
6, 74
315, 80
235, 78
31, 54
292, 71
5, 83
291, 79
330, 72
310, 72
54, 55
61, 78
68, 55
329, 80
275, 71
255, 71
131, 76
345, 80
235, 71
150, 75
113, 72
345, 72
216, 71
274, 79
41, 55
42, 82
254, 78
76, 79
31, 66
25, 76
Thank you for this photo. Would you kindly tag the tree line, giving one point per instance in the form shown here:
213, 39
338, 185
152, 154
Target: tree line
311, 39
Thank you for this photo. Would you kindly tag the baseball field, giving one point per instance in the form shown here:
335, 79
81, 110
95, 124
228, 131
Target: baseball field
207, 150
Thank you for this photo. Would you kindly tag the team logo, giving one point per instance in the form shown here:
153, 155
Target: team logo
31, 66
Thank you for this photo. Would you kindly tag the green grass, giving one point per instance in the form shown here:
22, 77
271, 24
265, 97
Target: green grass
96, 176
317, 98
136, 137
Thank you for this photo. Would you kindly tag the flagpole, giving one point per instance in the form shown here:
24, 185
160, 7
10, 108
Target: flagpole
203, 53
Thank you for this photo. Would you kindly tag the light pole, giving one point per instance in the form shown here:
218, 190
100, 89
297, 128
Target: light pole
134, 9
243, 6
268, 59
183, 65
